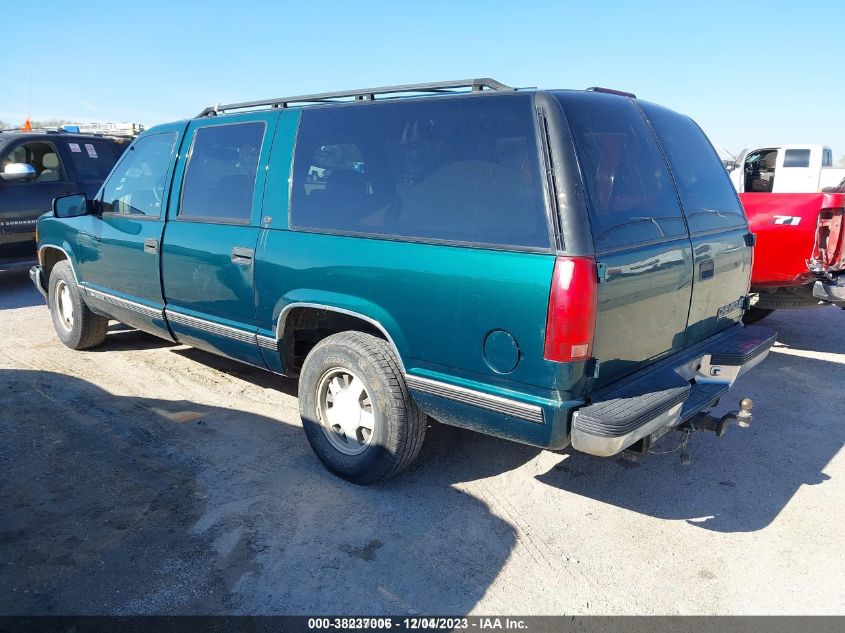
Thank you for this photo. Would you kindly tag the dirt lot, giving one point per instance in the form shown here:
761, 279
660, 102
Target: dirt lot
151, 478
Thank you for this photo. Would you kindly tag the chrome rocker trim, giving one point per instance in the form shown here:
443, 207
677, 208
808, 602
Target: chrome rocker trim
212, 328
120, 302
505, 406
268, 342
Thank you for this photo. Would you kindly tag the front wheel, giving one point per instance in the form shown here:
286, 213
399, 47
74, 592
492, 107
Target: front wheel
356, 410
752, 315
75, 324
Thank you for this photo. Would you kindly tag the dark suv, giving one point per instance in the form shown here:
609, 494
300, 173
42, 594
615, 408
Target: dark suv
35, 167
551, 267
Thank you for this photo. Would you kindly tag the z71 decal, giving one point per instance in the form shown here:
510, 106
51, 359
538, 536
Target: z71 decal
791, 220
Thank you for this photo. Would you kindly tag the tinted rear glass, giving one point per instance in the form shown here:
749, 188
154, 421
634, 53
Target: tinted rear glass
631, 194
463, 169
796, 158
220, 178
708, 197
92, 158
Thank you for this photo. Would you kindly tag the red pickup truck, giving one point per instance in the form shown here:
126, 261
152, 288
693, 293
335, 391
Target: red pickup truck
799, 257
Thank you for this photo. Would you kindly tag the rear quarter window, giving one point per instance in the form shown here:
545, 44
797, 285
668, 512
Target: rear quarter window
707, 195
92, 159
453, 169
632, 198
796, 158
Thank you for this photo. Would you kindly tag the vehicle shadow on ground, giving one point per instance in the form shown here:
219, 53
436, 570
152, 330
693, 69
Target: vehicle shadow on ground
259, 377
122, 505
738, 483
17, 291
742, 481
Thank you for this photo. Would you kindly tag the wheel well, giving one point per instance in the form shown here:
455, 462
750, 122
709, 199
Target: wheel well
305, 327
49, 258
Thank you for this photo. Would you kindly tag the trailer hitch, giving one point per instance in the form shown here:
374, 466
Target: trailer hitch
699, 422
708, 422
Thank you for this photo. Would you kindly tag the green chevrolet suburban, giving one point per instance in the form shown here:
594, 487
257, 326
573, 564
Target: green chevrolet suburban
552, 267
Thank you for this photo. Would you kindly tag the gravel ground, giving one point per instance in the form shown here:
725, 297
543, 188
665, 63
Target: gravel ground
144, 477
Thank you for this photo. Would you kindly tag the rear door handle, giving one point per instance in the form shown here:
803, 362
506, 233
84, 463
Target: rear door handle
242, 255
150, 245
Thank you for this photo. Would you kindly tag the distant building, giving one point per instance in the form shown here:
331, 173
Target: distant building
111, 129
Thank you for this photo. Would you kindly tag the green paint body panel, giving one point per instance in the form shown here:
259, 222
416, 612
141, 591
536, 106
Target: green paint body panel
643, 306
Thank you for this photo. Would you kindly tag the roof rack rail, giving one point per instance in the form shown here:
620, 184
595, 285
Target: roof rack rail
365, 94
40, 130
612, 91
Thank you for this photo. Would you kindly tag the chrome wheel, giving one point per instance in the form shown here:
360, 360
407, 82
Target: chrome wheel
64, 305
345, 411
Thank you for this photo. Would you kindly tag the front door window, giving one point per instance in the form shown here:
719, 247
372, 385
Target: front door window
136, 186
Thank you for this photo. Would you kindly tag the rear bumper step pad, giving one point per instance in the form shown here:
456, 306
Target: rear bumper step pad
661, 395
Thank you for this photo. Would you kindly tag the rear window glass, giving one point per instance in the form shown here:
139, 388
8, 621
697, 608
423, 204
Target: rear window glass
631, 194
220, 178
796, 158
463, 169
707, 194
92, 158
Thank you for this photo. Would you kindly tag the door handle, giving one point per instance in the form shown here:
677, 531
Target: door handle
150, 245
242, 255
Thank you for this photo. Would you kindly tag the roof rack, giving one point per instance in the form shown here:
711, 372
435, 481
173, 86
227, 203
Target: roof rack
612, 91
366, 94
39, 130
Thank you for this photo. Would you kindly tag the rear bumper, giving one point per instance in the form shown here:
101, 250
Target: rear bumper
832, 291
37, 276
665, 395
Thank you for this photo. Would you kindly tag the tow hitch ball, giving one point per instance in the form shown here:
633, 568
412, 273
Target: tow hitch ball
707, 422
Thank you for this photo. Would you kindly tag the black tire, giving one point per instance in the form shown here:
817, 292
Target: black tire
87, 329
399, 425
752, 315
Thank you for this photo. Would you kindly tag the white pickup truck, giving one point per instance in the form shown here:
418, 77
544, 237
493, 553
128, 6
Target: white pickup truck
785, 169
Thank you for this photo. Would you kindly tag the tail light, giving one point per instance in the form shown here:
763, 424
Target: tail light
573, 303
829, 238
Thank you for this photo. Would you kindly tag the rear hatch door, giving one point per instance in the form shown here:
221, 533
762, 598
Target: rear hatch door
639, 233
721, 242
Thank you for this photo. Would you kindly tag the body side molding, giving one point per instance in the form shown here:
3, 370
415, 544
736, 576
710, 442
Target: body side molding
507, 406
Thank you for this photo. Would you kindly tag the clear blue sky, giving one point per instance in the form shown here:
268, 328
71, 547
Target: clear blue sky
749, 72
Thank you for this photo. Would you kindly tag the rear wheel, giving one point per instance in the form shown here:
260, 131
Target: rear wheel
75, 324
752, 315
356, 410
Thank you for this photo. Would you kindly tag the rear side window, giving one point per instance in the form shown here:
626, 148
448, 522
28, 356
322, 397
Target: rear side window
707, 195
632, 198
796, 158
220, 177
827, 158
463, 170
92, 158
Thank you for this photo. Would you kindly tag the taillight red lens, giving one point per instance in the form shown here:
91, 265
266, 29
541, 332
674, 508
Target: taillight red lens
573, 303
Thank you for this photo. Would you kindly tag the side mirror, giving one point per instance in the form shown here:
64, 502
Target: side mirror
70, 206
14, 172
